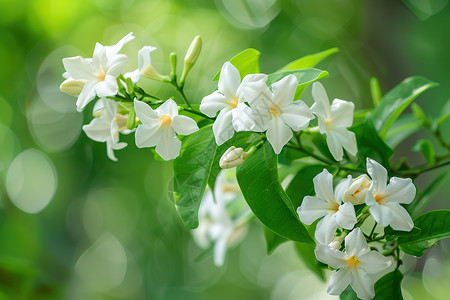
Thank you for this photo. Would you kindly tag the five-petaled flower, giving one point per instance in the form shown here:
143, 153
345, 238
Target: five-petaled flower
384, 200
353, 266
160, 128
334, 121
99, 72
329, 206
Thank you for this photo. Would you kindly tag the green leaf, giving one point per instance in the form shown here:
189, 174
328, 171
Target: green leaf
425, 147
304, 77
371, 145
434, 226
309, 61
191, 173
419, 113
387, 287
445, 114
259, 183
247, 62
273, 240
306, 253
391, 234
396, 100
424, 197
375, 91
402, 128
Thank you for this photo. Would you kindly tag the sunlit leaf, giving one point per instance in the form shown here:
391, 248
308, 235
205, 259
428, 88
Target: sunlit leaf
247, 62
402, 128
259, 183
396, 100
434, 226
375, 91
309, 61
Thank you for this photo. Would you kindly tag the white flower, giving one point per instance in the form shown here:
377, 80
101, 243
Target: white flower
145, 66
329, 206
385, 200
222, 217
353, 266
234, 114
100, 72
232, 157
160, 128
357, 190
333, 121
106, 128
276, 112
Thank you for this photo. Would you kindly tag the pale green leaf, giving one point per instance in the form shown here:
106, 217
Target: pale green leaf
247, 62
309, 61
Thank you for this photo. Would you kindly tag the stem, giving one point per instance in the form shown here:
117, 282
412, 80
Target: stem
373, 230
193, 111
422, 169
180, 90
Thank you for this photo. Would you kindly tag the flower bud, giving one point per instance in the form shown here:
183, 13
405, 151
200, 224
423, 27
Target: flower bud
191, 57
150, 72
232, 157
357, 191
72, 86
337, 242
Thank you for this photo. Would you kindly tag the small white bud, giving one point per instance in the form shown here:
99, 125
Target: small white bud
191, 57
357, 191
232, 157
337, 242
72, 86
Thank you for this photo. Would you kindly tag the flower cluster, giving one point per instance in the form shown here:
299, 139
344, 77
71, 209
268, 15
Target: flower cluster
336, 209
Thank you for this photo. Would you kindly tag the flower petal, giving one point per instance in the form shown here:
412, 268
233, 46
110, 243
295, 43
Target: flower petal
312, 208
145, 113
347, 139
98, 130
257, 94
212, 103
116, 64
169, 107
278, 134
326, 228
111, 146
341, 113
401, 220
220, 249
284, 90
323, 185
79, 68
87, 95
373, 262
297, 115
169, 145
400, 190
378, 174
184, 125
135, 75
381, 214
355, 243
332, 257
345, 217
229, 80
320, 96
339, 281
148, 135
240, 93
335, 146
144, 57
223, 126
363, 285
341, 189
242, 118
117, 47
107, 87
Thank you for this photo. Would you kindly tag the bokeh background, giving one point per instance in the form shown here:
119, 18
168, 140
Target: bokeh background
75, 225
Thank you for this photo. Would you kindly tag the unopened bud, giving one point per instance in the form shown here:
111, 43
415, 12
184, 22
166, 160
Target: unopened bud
150, 72
191, 57
232, 157
357, 191
337, 242
72, 86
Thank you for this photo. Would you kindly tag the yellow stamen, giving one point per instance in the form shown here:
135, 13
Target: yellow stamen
379, 198
334, 206
233, 103
101, 76
165, 120
274, 110
327, 123
352, 262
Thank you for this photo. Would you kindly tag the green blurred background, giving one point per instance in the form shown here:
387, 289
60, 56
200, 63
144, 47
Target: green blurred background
110, 230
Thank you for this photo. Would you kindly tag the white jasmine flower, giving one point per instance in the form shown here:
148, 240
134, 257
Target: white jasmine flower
160, 128
334, 121
234, 114
223, 217
232, 157
145, 67
329, 206
99, 73
357, 190
277, 112
106, 128
385, 200
353, 266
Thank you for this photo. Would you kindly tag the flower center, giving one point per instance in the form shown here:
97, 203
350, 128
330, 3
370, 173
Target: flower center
328, 123
352, 262
334, 206
379, 198
102, 74
274, 110
233, 103
165, 120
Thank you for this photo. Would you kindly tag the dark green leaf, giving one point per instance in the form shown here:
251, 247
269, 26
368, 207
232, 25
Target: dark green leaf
375, 91
306, 253
304, 77
309, 61
425, 147
402, 128
348, 294
360, 116
445, 114
424, 197
259, 183
273, 240
247, 62
391, 234
434, 225
396, 100
191, 173
371, 145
